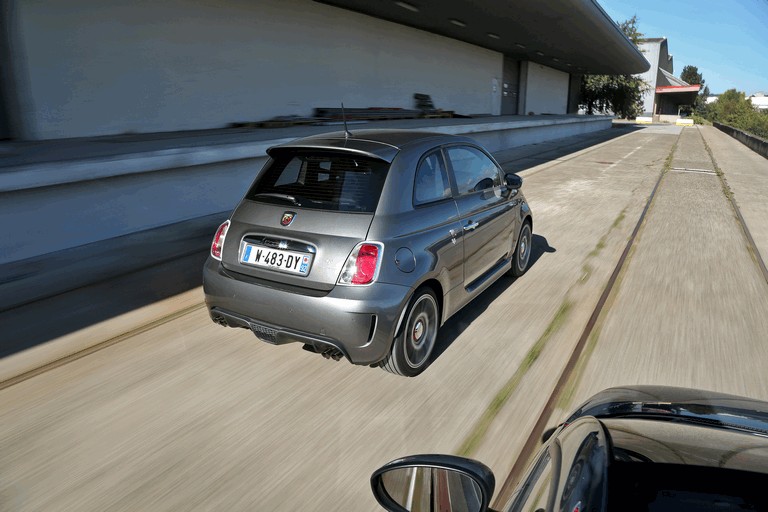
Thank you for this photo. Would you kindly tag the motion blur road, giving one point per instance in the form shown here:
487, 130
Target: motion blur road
182, 414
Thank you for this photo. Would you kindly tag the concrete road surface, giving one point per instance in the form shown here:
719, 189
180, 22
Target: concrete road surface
692, 306
186, 415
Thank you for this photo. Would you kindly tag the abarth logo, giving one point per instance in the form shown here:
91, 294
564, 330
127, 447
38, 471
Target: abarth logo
287, 218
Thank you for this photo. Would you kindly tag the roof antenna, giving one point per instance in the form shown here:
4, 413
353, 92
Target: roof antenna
347, 134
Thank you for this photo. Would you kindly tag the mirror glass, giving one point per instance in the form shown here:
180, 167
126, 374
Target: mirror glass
425, 489
513, 181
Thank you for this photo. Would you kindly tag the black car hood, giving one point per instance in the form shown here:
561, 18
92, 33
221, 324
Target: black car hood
671, 403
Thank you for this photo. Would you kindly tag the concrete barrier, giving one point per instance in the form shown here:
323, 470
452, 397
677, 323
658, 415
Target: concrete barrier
753, 142
53, 206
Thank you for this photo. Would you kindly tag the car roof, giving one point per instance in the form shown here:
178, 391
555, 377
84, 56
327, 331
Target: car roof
379, 144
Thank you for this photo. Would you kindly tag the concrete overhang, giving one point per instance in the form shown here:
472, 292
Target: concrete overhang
677, 89
575, 36
680, 94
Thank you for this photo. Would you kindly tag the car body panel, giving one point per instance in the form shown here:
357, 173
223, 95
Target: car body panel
330, 236
359, 321
575, 476
489, 242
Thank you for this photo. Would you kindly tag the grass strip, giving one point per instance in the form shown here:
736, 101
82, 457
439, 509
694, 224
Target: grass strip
475, 437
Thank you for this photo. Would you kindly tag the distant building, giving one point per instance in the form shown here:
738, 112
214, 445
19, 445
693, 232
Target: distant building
759, 100
667, 93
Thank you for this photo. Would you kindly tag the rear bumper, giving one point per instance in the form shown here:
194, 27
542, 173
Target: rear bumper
359, 322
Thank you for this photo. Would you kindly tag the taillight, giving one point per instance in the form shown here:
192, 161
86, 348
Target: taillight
218, 241
362, 265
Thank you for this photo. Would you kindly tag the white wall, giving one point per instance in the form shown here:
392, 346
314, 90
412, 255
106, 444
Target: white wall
118, 66
651, 52
546, 90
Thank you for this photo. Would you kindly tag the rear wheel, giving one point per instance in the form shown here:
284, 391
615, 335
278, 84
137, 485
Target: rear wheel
522, 256
412, 347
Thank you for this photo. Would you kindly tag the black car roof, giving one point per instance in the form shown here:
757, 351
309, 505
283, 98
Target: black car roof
380, 144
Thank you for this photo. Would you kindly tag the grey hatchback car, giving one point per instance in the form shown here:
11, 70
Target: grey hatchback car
361, 246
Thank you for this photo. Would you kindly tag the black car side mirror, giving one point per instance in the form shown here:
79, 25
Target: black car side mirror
513, 181
433, 482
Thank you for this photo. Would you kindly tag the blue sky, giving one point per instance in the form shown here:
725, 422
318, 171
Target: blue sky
726, 39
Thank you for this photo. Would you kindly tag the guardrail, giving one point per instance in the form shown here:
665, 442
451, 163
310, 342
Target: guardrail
753, 142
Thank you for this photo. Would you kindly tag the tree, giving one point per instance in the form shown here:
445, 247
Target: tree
629, 27
691, 75
734, 109
620, 94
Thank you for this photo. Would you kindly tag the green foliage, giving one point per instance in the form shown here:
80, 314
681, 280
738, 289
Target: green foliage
701, 120
629, 27
692, 76
620, 94
734, 109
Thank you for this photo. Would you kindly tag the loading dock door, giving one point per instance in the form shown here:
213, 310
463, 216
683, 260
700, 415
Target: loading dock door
510, 86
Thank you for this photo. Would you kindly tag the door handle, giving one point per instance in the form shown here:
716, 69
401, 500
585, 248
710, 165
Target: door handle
470, 227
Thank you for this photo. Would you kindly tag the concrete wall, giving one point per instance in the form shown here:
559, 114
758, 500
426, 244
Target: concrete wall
81, 211
651, 52
753, 142
546, 90
120, 66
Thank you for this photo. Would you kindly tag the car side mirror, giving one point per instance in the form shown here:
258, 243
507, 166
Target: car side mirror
513, 181
548, 433
422, 483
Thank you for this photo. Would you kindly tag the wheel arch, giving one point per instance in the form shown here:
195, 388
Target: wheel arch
436, 288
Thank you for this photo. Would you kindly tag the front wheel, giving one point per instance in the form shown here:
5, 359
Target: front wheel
412, 347
522, 256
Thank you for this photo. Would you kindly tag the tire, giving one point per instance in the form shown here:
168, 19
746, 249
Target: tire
522, 257
412, 347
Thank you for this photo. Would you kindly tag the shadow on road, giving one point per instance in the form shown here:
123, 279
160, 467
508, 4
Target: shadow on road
41, 321
526, 157
464, 318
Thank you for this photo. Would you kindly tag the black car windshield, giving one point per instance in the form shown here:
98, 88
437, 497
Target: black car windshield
321, 180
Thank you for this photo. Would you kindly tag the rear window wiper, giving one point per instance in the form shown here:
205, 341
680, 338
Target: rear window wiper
284, 197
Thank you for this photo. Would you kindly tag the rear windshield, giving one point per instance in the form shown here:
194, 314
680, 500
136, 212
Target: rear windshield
322, 181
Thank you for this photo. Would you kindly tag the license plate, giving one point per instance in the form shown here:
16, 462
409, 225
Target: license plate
277, 259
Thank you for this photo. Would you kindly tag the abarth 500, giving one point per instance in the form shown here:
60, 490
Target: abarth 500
361, 246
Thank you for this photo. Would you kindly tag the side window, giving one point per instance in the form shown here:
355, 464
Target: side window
472, 169
431, 181
535, 492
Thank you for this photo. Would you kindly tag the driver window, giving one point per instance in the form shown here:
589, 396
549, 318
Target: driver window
473, 170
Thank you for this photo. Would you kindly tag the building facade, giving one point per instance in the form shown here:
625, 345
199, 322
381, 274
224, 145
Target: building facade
666, 93
85, 68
